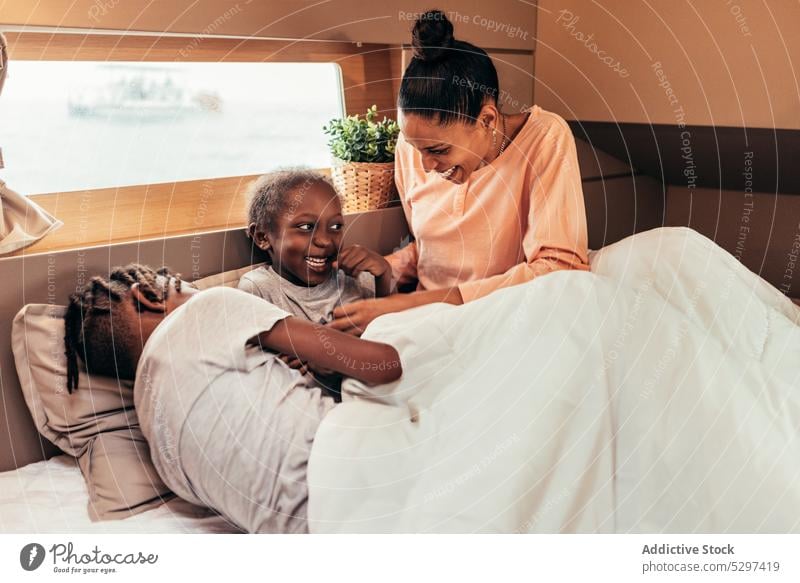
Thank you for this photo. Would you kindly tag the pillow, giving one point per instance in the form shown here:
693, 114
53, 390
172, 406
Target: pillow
96, 424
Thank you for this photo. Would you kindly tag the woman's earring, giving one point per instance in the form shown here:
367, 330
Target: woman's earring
494, 138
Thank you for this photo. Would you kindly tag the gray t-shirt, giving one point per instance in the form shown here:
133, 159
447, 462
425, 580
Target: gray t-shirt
229, 425
314, 303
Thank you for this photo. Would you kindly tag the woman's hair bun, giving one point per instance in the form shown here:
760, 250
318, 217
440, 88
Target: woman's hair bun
432, 35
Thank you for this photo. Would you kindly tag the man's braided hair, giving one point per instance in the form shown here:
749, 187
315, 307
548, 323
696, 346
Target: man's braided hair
90, 330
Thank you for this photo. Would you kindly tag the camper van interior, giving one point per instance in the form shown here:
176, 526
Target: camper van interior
564, 251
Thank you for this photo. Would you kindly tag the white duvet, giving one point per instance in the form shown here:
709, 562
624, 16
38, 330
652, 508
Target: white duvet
658, 393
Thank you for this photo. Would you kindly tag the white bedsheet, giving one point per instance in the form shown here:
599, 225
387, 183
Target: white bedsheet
659, 393
51, 497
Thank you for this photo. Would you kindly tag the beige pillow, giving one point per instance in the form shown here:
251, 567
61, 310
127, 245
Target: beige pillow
97, 423
121, 478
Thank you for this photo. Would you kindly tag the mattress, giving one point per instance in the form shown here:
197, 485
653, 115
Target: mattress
51, 497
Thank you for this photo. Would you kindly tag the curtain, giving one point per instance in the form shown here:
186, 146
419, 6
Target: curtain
22, 221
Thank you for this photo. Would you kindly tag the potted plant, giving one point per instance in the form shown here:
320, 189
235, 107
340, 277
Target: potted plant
363, 160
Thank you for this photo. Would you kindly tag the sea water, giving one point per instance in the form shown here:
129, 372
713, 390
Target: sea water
226, 119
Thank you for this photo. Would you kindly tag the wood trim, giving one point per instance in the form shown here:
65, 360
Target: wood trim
114, 215
137, 213
133, 213
507, 24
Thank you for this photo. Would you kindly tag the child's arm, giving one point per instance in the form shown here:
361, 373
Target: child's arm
370, 362
355, 259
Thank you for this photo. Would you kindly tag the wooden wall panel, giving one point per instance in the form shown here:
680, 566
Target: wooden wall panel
509, 24
708, 63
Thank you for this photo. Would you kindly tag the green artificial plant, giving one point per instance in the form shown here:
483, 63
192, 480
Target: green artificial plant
362, 139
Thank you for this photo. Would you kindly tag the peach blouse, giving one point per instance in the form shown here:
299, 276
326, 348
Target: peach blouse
515, 219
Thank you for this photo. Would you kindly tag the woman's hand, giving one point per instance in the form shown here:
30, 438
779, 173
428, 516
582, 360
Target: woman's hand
353, 318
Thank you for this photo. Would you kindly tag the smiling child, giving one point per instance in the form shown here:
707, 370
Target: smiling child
296, 217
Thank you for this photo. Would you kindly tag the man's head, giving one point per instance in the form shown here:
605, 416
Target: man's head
108, 322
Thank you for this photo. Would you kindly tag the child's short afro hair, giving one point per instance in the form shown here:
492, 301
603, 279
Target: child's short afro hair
272, 194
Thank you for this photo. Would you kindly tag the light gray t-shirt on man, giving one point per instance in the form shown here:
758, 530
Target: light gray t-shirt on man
230, 426
314, 303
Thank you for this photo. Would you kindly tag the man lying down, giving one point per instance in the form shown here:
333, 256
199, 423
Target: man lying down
230, 425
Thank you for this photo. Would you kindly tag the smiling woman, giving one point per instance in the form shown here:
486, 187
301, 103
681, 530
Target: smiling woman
492, 199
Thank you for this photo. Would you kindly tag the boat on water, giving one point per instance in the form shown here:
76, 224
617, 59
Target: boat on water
140, 94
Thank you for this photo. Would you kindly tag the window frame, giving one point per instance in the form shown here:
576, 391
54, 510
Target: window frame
102, 216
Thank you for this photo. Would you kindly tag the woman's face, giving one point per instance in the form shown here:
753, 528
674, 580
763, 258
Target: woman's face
455, 150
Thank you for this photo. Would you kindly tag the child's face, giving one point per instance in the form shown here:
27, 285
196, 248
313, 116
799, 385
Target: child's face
307, 236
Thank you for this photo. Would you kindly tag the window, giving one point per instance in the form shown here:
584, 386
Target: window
68, 125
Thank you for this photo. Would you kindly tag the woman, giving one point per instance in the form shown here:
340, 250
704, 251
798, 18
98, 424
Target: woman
493, 200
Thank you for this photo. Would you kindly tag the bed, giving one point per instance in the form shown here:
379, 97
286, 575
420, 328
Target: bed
669, 439
51, 497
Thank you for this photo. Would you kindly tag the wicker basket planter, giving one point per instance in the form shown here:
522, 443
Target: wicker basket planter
364, 186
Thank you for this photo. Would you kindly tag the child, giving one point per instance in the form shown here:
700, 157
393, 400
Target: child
228, 426
296, 217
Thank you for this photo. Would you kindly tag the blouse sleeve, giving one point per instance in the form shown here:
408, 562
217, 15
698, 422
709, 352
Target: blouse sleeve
556, 236
404, 261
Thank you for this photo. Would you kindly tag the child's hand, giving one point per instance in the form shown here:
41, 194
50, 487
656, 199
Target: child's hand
356, 259
303, 367
294, 363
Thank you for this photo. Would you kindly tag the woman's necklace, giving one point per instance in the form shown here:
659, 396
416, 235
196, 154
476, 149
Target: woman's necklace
503, 143
505, 137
